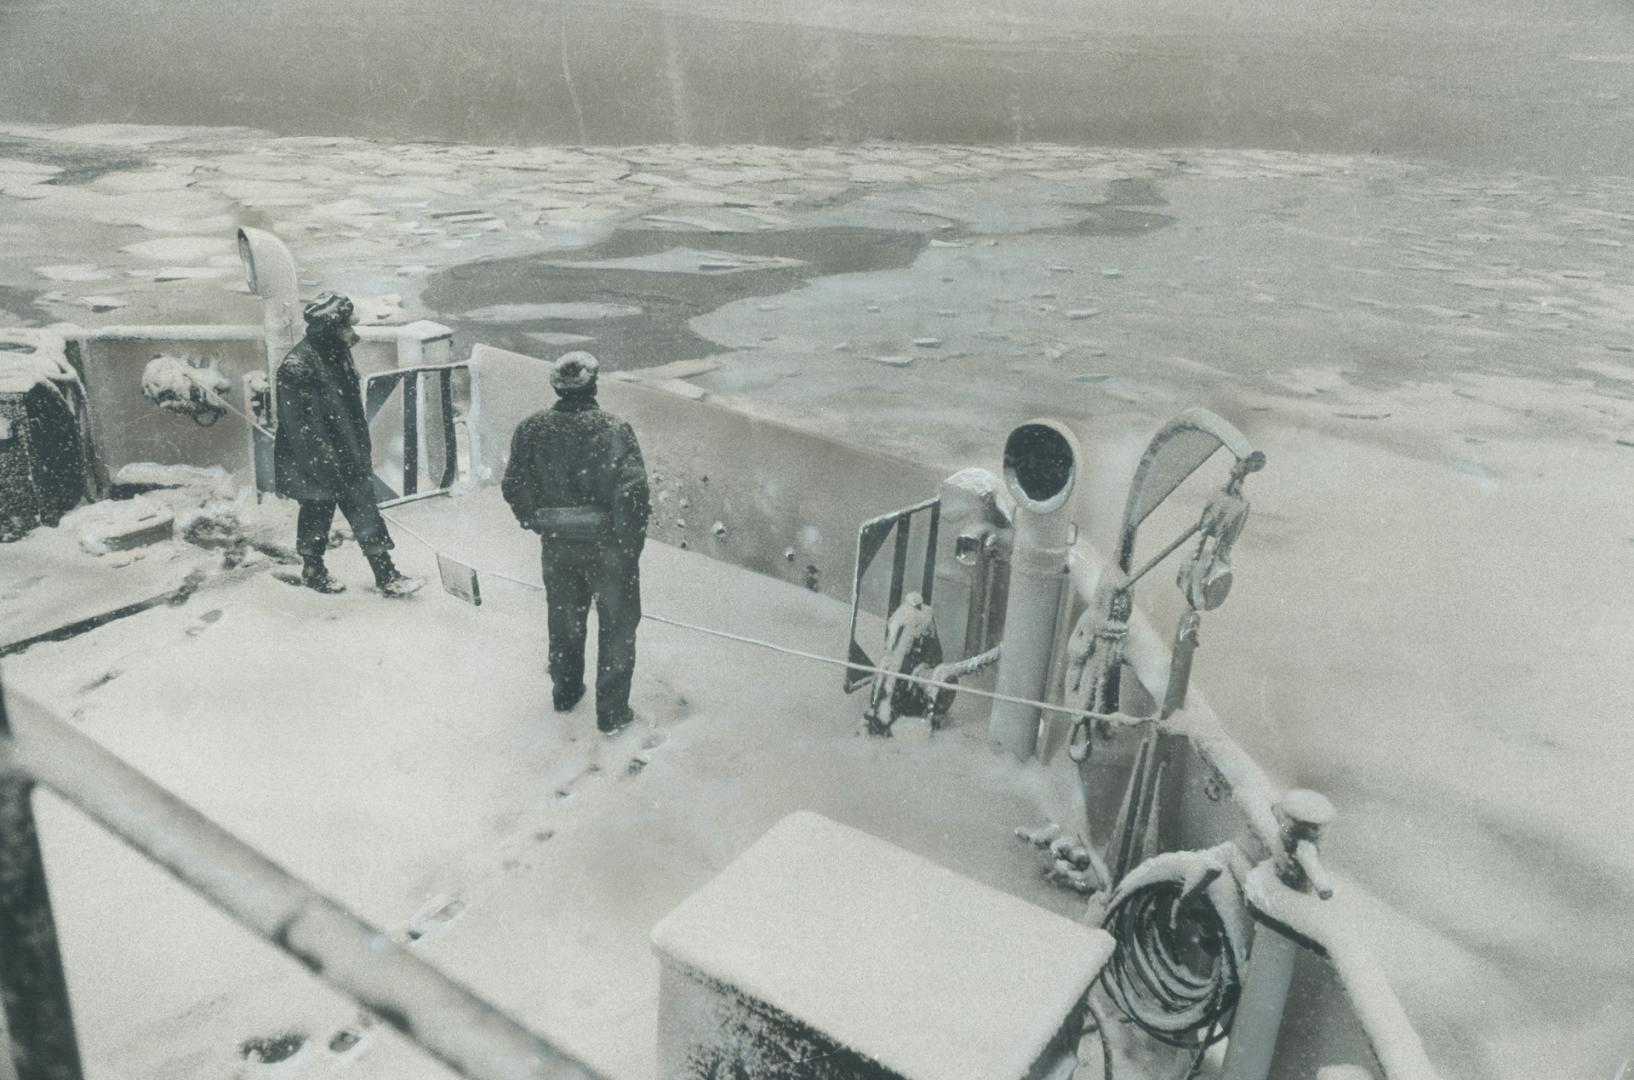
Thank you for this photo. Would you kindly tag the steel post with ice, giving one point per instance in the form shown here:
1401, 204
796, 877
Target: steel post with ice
39, 1019
1302, 816
1040, 465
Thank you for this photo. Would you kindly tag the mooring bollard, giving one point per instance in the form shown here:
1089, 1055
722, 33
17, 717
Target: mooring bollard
1303, 815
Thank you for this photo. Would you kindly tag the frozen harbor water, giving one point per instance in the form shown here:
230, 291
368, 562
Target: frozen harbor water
1428, 623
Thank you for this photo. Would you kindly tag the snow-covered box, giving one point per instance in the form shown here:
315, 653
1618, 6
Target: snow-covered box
825, 953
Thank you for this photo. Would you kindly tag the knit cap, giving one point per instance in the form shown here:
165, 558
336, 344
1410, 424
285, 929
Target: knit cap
330, 307
573, 371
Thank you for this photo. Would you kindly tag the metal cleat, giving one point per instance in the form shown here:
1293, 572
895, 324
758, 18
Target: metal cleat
911, 648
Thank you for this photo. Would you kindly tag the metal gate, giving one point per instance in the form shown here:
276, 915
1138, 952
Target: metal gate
415, 422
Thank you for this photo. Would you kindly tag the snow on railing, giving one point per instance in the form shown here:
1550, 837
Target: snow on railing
469, 1035
1394, 1042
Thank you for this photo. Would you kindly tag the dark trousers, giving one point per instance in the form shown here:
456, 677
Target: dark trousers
575, 571
368, 527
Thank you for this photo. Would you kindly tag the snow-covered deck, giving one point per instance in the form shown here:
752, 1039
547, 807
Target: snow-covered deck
403, 758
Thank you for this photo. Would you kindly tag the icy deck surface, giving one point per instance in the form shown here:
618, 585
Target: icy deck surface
887, 954
403, 757
37, 597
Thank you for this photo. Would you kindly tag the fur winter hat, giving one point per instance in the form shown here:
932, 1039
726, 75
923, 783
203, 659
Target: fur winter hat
330, 307
574, 372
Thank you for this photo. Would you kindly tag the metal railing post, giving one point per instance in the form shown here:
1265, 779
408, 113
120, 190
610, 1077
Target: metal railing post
1258, 1022
39, 1019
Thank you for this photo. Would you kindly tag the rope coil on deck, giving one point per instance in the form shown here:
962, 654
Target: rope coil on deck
1174, 973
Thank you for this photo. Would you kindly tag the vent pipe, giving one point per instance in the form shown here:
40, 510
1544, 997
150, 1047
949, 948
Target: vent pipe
1040, 465
269, 269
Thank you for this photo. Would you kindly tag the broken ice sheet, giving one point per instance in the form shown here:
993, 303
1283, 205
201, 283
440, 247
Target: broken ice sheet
73, 272
182, 249
267, 192
871, 173
501, 313
712, 220
378, 309
682, 261
181, 273
347, 209
116, 134
193, 211
546, 337
750, 174
260, 166
13, 167
102, 303
138, 180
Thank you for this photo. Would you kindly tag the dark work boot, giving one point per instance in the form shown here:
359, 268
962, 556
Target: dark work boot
390, 580
315, 575
614, 722
563, 698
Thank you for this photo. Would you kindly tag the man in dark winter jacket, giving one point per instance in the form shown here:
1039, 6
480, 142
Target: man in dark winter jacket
321, 452
576, 478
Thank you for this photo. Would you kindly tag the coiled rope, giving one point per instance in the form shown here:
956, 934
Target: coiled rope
1174, 973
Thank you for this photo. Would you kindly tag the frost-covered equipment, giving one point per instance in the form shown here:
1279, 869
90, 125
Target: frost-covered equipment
1040, 466
1009, 558
981, 516
971, 574
1095, 648
1183, 934
42, 455
1302, 815
822, 951
911, 648
184, 386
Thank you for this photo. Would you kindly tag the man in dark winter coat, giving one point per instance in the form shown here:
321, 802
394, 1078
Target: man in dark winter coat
576, 478
321, 452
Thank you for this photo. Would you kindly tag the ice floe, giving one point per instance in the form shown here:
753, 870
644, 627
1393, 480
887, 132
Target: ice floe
502, 313
182, 249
